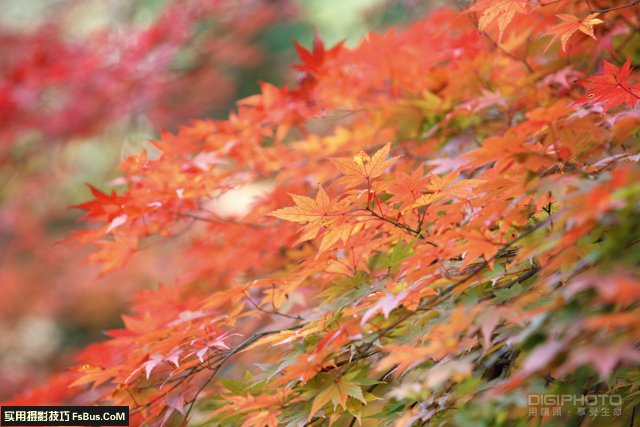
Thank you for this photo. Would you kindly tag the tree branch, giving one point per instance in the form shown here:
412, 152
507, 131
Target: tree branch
404, 227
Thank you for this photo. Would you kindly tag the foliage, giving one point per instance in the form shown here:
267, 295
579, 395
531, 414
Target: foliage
447, 224
74, 99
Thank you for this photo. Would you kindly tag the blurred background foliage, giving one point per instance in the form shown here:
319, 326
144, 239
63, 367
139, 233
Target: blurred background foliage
85, 83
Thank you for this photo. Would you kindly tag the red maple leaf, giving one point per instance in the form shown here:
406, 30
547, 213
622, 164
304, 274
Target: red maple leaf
611, 87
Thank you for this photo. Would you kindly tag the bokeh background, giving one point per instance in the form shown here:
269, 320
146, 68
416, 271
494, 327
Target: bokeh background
85, 83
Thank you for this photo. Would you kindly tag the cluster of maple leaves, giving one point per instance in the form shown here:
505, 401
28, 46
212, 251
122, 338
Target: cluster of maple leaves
450, 224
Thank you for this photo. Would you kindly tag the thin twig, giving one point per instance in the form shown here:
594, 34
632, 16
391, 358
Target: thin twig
257, 307
246, 343
218, 220
609, 9
404, 227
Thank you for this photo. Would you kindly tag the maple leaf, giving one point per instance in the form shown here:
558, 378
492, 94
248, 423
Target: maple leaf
542, 356
337, 391
611, 88
262, 419
250, 403
156, 359
114, 254
92, 374
362, 167
406, 188
308, 210
116, 222
603, 358
571, 24
441, 187
340, 232
176, 403
479, 244
503, 11
313, 60
386, 304
614, 288
103, 207
444, 370
316, 215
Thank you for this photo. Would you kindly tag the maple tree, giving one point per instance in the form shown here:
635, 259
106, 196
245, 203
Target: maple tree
448, 224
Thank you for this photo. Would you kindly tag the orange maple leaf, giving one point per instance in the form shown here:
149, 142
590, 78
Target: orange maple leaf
92, 374
503, 11
314, 214
308, 210
114, 254
571, 24
362, 167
